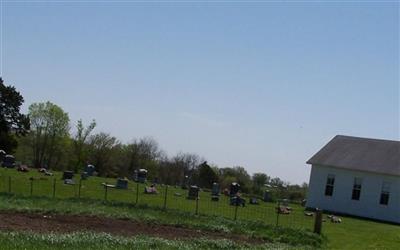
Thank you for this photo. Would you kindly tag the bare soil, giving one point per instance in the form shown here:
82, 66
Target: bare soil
61, 223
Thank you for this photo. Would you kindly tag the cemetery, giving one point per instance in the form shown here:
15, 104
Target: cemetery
67, 184
230, 204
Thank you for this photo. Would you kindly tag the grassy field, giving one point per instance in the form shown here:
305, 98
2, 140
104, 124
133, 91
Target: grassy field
175, 198
297, 238
105, 241
257, 220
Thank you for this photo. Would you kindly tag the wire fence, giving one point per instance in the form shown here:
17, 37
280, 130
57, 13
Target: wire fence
282, 213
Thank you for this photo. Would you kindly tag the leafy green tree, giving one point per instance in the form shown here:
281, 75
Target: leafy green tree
12, 122
143, 153
50, 134
207, 176
239, 174
80, 139
187, 164
102, 146
259, 180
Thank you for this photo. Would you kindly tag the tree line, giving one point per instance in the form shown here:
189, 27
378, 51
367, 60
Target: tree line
45, 137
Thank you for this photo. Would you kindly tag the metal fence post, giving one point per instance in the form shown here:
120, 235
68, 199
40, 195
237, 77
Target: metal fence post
137, 193
236, 210
79, 188
197, 205
165, 196
277, 213
54, 187
31, 186
318, 221
105, 192
9, 184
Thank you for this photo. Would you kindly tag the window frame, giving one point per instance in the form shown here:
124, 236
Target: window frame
385, 194
356, 191
329, 185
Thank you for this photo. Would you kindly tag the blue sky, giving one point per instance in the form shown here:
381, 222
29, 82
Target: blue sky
261, 85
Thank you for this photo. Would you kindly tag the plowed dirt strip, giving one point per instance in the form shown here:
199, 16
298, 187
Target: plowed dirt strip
45, 223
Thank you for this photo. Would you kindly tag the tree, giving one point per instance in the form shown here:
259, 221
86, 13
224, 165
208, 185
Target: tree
168, 172
12, 122
50, 133
238, 174
80, 139
143, 153
207, 176
101, 149
259, 180
186, 164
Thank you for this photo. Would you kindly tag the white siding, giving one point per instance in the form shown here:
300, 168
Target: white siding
341, 202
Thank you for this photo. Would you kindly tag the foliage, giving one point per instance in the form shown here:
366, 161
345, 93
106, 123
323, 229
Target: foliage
49, 134
259, 180
142, 153
101, 147
79, 143
238, 174
207, 176
50, 144
12, 122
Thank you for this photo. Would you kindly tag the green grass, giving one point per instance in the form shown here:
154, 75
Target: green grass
258, 220
92, 189
293, 237
105, 241
355, 233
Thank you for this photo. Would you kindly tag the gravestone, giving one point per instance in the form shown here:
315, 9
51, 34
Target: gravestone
193, 193
68, 177
8, 161
141, 175
122, 184
215, 192
235, 187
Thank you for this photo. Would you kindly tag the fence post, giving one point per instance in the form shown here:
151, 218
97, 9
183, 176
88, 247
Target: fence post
165, 197
79, 188
54, 187
236, 210
277, 212
137, 193
318, 221
197, 205
9, 184
31, 186
105, 192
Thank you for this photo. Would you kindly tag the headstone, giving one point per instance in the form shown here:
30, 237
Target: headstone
141, 175
193, 193
253, 201
68, 175
235, 187
237, 201
8, 161
89, 169
215, 192
122, 184
267, 196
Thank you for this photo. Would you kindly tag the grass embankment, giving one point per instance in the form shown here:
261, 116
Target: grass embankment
292, 237
352, 233
18, 183
93, 241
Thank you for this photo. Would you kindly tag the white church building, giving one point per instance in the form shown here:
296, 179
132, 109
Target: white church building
357, 176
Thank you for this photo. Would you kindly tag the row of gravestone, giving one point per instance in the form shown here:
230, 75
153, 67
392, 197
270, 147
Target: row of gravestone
6, 161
